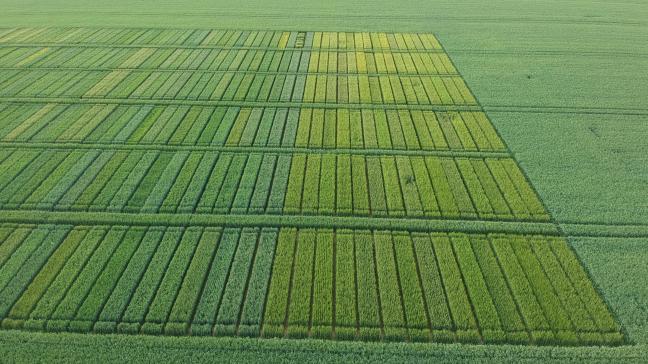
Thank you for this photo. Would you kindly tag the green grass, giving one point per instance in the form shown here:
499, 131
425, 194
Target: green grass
407, 141
141, 348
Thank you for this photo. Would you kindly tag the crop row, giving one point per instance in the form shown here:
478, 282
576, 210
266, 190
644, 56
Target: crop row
117, 36
241, 127
461, 286
222, 38
443, 287
257, 60
144, 181
209, 182
487, 188
395, 129
136, 124
324, 283
232, 86
153, 280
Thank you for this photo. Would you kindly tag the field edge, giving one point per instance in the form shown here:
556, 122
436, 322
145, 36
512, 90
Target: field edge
46, 347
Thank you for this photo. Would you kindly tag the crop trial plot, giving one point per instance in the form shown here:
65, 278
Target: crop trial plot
273, 184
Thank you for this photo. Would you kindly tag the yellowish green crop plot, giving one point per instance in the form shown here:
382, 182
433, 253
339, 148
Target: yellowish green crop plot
277, 184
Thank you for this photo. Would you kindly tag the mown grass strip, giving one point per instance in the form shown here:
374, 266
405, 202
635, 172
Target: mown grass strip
108, 147
232, 220
365, 102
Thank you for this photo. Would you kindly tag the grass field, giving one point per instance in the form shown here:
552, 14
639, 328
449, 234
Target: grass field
346, 186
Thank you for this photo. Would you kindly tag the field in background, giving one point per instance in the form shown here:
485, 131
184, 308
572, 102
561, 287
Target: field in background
573, 199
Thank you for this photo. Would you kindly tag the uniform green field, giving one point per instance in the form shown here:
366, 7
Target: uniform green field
347, 186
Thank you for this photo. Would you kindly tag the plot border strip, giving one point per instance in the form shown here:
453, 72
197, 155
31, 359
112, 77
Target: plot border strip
251, 149
302, 221
275, 104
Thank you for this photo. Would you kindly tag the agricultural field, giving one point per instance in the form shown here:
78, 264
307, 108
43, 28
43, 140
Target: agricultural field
272, 193
273, 184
